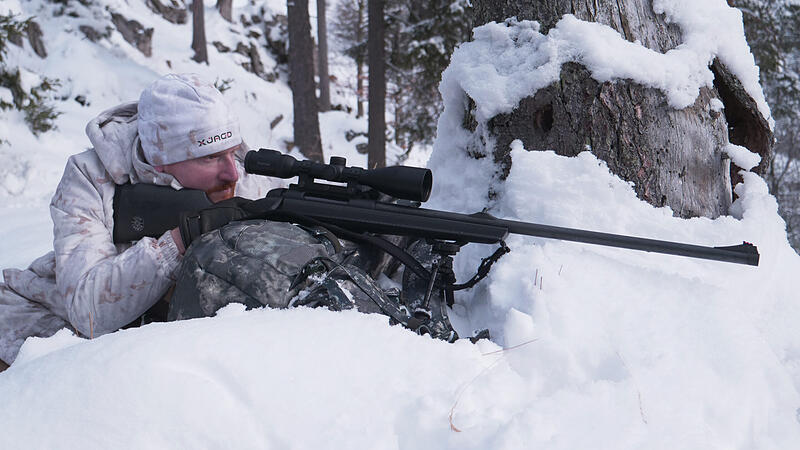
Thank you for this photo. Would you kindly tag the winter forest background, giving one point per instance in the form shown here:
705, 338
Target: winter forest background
591, 347
419, 37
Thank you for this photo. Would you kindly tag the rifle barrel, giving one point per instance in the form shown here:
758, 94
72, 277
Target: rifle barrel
378, 217
745, 253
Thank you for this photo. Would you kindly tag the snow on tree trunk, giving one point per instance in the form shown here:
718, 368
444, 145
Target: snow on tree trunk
674, 157
301, 78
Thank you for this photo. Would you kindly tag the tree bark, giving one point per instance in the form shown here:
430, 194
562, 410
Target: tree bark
322, 58
225, 8
301, 79
360, 89
199, 32
376, 155
673, 157
360, 61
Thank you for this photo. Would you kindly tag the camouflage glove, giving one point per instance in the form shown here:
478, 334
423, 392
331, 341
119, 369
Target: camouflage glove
194, 224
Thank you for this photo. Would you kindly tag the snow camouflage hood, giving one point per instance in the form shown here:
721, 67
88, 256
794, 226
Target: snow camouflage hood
115, 137
182, 117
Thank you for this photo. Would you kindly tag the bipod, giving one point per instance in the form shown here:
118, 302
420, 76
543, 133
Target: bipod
442, 273
443, 277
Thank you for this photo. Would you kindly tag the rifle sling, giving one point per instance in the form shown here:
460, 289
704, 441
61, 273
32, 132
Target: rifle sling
376, 241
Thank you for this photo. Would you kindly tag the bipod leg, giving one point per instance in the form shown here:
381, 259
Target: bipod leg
426, 298
446, 252
434, 276
447, 277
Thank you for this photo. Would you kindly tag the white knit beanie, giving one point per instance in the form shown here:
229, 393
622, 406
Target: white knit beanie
182, 117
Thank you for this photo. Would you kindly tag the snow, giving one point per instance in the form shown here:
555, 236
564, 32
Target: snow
713, 28
508, 61
742, 157
28, 80
604, 347
6, 96
11, 7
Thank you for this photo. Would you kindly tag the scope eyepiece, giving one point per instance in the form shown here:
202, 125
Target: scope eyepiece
409, 183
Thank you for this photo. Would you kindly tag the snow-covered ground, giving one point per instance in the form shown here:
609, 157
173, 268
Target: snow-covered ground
604, 348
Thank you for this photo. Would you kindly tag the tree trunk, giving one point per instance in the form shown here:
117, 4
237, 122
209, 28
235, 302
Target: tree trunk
673, 157
360, 61
360, 89
225, 8
322, 58
376, 156
199, 32
301, 79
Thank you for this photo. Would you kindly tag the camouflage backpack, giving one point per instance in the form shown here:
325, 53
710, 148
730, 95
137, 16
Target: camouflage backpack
262, 263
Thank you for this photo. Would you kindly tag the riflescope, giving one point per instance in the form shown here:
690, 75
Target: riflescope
409, 183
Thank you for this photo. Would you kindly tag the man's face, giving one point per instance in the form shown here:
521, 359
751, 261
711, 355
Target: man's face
215, 174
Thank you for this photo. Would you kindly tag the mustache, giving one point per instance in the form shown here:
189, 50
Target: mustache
222, 187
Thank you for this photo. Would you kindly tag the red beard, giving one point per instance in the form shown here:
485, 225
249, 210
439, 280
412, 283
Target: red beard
222, 192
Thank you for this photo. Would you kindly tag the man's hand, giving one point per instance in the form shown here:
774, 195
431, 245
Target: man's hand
176, 236
148, 210
195, 224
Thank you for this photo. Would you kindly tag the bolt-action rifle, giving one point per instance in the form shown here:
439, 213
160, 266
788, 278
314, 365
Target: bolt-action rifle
357, 206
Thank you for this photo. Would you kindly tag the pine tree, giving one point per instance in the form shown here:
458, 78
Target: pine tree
349, 29
423, 36
39, 113
420, 36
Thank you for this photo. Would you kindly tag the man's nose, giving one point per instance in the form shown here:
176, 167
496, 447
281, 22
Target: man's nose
229, 173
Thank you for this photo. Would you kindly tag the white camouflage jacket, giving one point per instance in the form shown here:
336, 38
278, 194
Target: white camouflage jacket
88, 283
